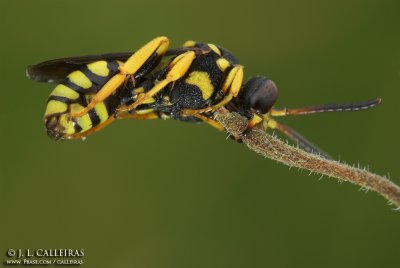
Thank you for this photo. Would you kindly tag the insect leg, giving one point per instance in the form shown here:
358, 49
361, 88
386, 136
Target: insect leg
157, 46
210, 121
178, 67
90, 131
110, 120
147, 116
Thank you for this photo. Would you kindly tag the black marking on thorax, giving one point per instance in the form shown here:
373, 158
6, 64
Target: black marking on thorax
186, 95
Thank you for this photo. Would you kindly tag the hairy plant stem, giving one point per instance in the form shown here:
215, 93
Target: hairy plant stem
271, 147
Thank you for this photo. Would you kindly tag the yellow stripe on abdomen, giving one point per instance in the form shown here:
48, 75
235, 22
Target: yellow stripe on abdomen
67, 124
101, 111
55, 107
84, 121
64, 91
99, 68
80, 79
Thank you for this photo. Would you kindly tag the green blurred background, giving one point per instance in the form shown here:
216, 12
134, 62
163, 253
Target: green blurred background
172, 194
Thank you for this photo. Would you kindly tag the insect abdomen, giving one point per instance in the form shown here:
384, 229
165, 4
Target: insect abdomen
74, 93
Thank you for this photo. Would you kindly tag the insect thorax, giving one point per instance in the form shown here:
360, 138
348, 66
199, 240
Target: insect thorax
199, 88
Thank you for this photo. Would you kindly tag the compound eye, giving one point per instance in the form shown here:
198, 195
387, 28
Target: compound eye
261, 94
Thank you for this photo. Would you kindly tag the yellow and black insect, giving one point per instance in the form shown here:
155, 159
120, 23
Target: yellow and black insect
187, 84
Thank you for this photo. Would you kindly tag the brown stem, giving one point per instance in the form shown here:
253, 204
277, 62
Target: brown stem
266, 145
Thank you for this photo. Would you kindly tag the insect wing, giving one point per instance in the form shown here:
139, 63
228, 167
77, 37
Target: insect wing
53, 71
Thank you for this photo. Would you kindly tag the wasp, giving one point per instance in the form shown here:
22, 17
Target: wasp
188, 84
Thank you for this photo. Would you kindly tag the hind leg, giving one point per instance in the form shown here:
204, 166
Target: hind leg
155, 48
